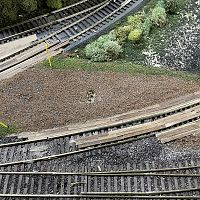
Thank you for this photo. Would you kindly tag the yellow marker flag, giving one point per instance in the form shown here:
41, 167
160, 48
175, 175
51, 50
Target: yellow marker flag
46, 46
49, 57
2, 124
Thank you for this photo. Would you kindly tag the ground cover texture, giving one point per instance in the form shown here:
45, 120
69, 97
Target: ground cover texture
181, 43
45, 98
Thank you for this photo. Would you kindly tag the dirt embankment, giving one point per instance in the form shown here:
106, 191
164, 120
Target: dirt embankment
41, 99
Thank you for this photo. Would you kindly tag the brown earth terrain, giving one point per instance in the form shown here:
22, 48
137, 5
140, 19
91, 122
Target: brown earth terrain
188, 143
43, 98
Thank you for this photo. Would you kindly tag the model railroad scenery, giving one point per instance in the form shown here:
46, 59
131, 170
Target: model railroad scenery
99, 99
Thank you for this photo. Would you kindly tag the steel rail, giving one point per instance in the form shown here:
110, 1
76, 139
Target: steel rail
52, 157
141, 193
159, 125
50, 23
105, 174
168, 111
144, 196
104, 4
71, 153
155, 170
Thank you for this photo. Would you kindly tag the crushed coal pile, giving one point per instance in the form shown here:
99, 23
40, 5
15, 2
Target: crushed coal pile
148, 151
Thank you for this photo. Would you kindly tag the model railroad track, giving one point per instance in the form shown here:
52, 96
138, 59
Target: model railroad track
137, 181
10, 139
49, 22
106, 133
69, 36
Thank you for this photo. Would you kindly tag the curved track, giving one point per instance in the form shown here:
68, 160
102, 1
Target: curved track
32, 170
27, 174
42, 25
120, 129
69, 36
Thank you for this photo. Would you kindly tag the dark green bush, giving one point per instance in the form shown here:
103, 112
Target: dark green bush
28, 5
147, 26
54, 4
172, 6
8, 11
12, 11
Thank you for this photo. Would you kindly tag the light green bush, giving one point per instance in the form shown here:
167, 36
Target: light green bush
159, 16
54, 4
122, 33
105, 38
135, 21
94, 52
112, 35
103, 49
135, 35
112, 50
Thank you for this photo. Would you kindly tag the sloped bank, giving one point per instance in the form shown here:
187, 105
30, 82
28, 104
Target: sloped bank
179, 46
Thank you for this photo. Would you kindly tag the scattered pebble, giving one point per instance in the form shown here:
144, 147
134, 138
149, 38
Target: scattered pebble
182, 51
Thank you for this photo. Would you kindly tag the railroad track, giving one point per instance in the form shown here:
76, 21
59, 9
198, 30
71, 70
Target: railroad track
102, 134
46, 24
68, 37
138, 181
10, 139
34, 169
24, 177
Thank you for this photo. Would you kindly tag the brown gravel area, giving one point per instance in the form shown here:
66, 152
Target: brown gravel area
43, 98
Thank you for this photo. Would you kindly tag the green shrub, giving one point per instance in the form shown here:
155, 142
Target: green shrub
112, 35
112, 50
8, 11
172, 6
135, 35
28, 5
135, 21
94, 52
146, 27
105, 38
122, 33
54, 4
103, 49
159, 16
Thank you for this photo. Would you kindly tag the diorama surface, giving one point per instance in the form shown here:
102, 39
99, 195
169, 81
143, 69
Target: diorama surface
100, 99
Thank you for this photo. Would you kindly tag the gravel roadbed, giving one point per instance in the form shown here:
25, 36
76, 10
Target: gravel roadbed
43, 98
